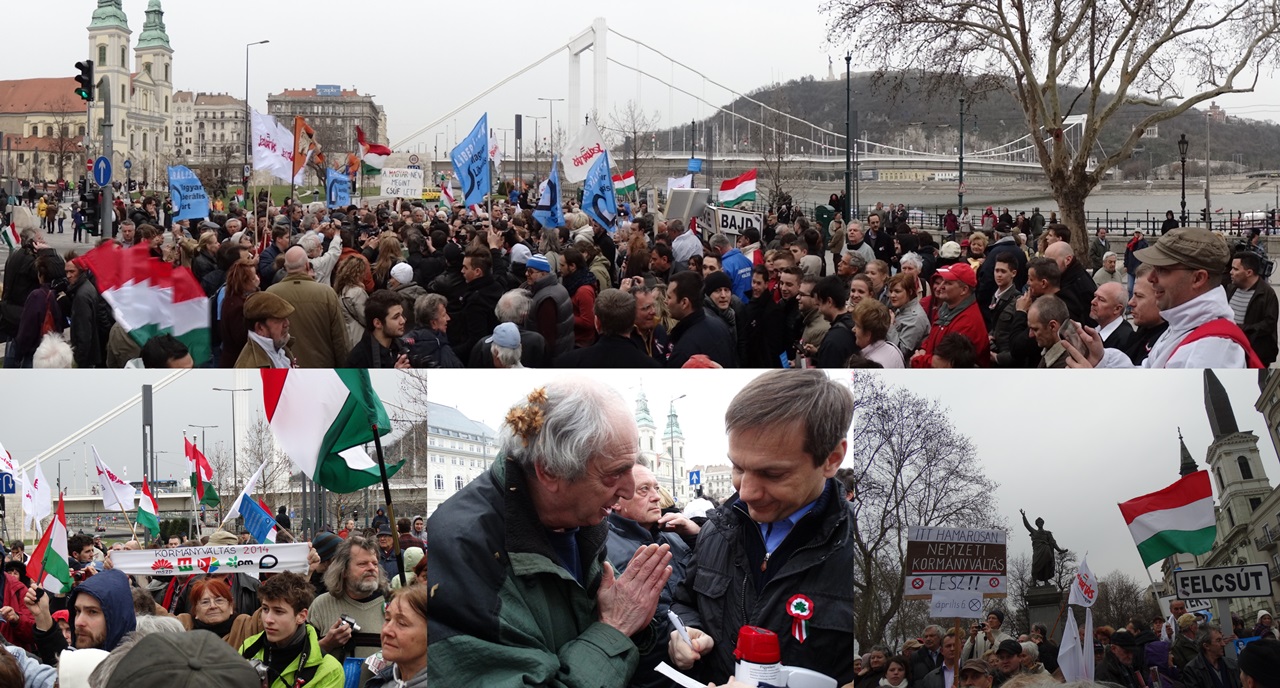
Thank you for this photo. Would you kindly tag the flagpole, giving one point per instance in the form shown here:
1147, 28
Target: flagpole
386, 486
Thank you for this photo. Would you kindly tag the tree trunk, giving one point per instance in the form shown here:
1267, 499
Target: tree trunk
1071, 198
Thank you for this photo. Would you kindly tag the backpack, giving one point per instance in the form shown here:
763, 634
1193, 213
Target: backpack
1222, 328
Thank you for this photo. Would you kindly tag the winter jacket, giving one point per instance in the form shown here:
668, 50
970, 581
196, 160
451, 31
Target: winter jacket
322, 266
701, 333
582, 294
1168, 351
316, 323
85, 341
609, 351
430, 349
837, 345
625, 537
34, 674
352, 301
111, 589
19, 281
1131, 261
40, 303
347, 252
202, 265
910, 326
506, 612
370, 353
968, 323
1260, 320
12, 591
409, 294
267, 265
1077, 282
1002, 326
551, 315
533, 351
328, 671
1198, 674
386, 679
1110, 670
766, 338
738, 267
477, 319
729, 584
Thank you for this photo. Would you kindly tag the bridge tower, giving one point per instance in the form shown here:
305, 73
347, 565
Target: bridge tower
594, 38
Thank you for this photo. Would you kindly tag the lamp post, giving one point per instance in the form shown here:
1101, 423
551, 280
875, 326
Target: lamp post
536, 159
551, 121
1183, 145
848, 135
235, 467
248, 118
671, 442
960, 188
60, 462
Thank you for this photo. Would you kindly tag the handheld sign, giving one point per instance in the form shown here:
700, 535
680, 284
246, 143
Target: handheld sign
955, 560
1222, 582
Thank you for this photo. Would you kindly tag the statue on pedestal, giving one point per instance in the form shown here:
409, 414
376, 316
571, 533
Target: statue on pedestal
1043, 546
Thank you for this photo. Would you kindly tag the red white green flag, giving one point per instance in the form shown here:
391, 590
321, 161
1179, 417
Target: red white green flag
1177, 519
11, 237
148, 510
201, 474
48, 566
624, 184
740, 189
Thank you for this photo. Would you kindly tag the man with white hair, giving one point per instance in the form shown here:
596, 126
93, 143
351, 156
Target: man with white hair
504, 346
322, 261
522, 592
1109, 270
1107, 308
320, 337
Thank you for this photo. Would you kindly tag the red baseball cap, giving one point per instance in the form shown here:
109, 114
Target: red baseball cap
959, 272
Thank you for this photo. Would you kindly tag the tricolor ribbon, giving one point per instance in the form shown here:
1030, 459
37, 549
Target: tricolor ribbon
800, 608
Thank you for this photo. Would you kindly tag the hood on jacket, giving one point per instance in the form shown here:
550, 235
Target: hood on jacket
111, 589
1262, 613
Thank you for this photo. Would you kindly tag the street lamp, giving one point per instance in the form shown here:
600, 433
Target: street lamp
535, 118
1183, 145
848, 134
235, 467
248, 117
671, 442
960, 188
60, 462
551, 120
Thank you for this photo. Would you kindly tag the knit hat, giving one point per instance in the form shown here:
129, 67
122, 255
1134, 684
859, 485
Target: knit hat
1262, 613
326, 545
716, 280
949, 250
1259, 659
998, 614
538, 262
196, 659
520, 253
402, 273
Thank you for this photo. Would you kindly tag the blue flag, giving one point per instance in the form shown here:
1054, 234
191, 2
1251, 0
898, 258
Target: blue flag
258, 522
549, 212
337, 190
190, 202
598, 199
471, 163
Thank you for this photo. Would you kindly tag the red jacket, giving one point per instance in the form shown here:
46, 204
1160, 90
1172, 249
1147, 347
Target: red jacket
969, 323
21, 633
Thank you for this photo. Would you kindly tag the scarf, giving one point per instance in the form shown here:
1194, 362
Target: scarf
578, 279
278, 659
946, 313
884, 683
222, 630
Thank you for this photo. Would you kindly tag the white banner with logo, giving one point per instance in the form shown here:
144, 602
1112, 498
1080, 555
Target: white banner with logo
581, 152
183, 561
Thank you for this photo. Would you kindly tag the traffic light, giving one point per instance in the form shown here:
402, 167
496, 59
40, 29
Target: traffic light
85, 79
91, 214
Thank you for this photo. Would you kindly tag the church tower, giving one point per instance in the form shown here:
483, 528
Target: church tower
109, 49
151, 118
644, 422
1234, 462
1186, 466
673, 446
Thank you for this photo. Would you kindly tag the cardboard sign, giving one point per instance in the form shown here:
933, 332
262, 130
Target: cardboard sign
956, 604
214, 559
399, 182
946, 560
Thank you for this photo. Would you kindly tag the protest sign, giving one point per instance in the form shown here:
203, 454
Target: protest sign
730, 221
181, 561
189, 198
398, 182
946, 560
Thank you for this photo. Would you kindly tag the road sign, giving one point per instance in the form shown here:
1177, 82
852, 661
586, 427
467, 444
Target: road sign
88, 165
102, 171
128, 164
1221, 582
695, 477
7, 484
413, 159
248, 171
414, 167
695, 165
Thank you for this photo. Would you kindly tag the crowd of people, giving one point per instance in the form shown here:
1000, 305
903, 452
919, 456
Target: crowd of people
348, 614
401, 284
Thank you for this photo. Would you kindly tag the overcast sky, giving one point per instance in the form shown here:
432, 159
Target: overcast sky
44, 407
1065, 447
421, 60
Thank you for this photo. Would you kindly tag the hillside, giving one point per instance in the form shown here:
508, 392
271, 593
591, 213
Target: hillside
930, 121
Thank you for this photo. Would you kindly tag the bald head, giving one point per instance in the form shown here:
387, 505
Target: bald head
1060, 252
1108, 303
295, 260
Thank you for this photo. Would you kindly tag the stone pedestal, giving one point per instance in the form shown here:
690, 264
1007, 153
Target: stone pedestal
1044, 603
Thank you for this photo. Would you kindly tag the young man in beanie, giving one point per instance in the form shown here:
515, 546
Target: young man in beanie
325, 545
289, 647
266, 316
551, 313
1260, 664
1187, 269
984, 636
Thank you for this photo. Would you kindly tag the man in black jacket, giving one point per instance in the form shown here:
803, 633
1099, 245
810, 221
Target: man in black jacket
839, 344
1117, 666
1075, 280
380, 347
781, 549
19, 281
476, 319
1255, 305
615, 312
695, 333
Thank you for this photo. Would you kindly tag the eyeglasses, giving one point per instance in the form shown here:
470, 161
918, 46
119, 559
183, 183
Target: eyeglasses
209, 602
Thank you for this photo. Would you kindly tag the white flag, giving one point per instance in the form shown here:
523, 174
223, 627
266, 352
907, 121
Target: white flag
496, 155
685, 182
6, 462
31, 515
581, 152
273, 147
246, 493
1070, 658
117, 495
1084, 587
41, 494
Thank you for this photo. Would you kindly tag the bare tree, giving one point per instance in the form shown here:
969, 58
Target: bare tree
1121, 598
64, 145
1159, 58
259, 448
634, 127
775, 152
913, 468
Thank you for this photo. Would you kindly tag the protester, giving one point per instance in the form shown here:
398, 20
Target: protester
404, 639
356, 585
213, 609
288, 646
101, 613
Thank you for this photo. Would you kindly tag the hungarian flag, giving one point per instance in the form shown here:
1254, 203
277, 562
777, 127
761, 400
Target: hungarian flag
739, 189
148, 510
446, 194
322, 420
373, 154
48, 566
150, 297
625, 183
304, 144
11, 237
201, 474
1177, 519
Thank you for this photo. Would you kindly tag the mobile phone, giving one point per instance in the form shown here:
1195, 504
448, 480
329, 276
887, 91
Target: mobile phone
1070, 333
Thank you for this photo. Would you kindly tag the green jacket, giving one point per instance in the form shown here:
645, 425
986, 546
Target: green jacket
504, 612
328, 675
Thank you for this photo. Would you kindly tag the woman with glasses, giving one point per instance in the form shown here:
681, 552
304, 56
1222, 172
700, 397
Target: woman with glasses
213, 609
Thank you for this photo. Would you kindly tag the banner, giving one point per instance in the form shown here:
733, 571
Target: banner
948, 560
181, 561
685, 182
581, 153
190, 201
337, 190
304, 145
549, 212
471, 163
399, 182
272, 147
1076, 660
598, 199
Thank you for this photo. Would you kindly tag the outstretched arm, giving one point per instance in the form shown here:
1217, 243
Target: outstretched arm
1025, 522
